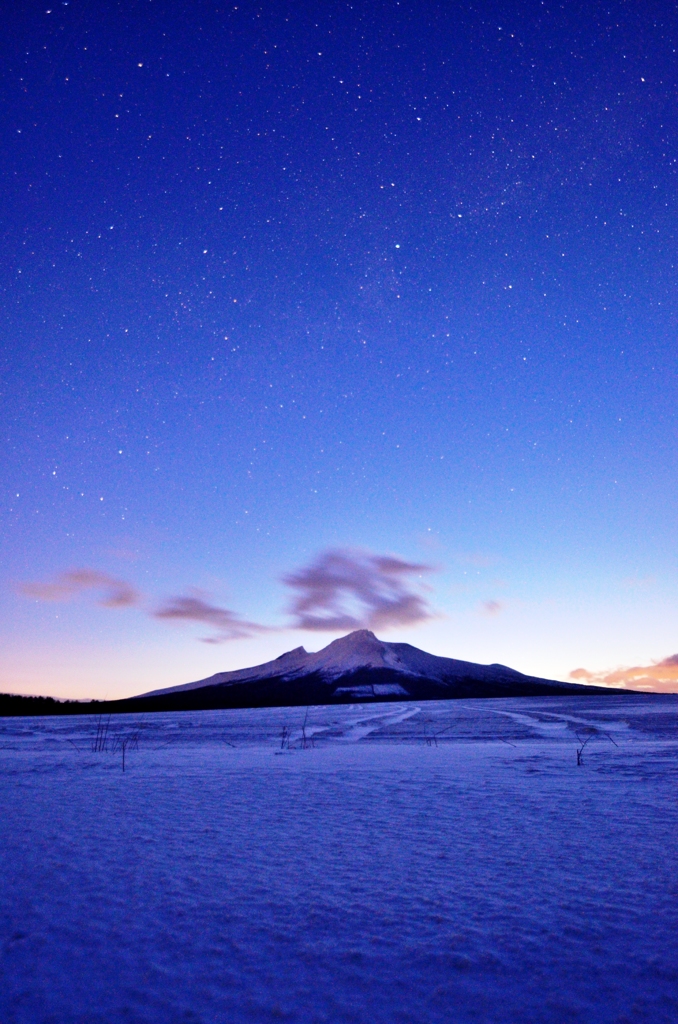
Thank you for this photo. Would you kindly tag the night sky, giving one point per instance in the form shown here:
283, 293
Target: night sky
322, 316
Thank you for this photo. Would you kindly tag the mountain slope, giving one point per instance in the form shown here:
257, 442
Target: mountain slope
357, 667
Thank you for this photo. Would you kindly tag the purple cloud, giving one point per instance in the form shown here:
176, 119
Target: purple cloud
348, 589
341, 589
115, 593
228, 624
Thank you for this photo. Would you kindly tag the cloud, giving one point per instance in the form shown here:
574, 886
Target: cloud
477, 559
660, 677
228, 624
341, 589
350, 589
639, 582
115, 593
492, 607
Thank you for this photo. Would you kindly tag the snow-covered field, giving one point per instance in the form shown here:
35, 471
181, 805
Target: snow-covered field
442, 862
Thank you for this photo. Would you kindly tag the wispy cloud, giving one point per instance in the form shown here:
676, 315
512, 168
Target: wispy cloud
639, 582
660, 677
192, 608
492, 607
113, 592
340, 589
349, 589
477, 559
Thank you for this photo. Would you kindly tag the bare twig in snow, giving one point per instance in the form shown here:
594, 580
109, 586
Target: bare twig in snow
593, 732
100, 741
123, 743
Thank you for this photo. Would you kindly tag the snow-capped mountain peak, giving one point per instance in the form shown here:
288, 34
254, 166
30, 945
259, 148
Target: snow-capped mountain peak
358, 652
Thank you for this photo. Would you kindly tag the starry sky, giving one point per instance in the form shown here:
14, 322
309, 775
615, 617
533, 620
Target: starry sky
325, 316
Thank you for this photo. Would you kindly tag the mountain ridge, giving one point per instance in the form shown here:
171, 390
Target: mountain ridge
357, 650
357, 667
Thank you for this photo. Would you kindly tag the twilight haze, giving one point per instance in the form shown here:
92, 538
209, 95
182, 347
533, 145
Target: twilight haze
329, 316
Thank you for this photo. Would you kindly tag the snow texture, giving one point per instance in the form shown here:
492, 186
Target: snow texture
446, 862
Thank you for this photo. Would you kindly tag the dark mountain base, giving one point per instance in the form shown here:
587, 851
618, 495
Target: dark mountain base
309, 690
314, 689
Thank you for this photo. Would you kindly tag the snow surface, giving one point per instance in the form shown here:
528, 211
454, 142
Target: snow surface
441, 862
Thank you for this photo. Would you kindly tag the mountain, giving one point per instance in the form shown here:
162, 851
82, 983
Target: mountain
358, 667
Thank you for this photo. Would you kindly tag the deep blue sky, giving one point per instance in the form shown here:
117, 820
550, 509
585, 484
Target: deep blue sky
382, 278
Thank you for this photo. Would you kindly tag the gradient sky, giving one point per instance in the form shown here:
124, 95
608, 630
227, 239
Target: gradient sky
328, 315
